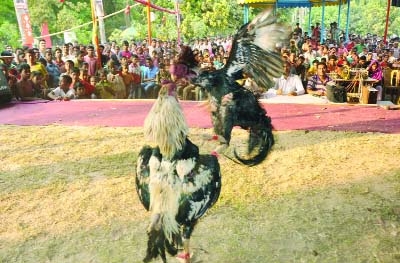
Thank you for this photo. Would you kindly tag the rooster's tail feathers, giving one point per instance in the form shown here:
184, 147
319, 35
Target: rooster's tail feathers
158, 243
260, 137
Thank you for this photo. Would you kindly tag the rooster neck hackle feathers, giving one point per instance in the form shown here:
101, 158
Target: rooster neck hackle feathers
166, 125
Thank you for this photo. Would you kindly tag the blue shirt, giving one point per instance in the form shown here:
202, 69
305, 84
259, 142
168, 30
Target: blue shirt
150, 73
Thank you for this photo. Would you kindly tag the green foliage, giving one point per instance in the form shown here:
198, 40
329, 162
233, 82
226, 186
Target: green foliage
9, 34
199, 18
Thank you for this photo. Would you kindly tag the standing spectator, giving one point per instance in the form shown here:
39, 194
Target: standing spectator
125, 51
91, 59
298, 30
135, 70
52, 69
78, 59
35, 65
114, 57
141, 56
42, 48
67, 68
316, 32
301, 70
104, 57
66, 53
58, 58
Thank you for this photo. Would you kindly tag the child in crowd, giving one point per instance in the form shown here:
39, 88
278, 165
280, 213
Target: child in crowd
135, 70
80, 92
39, 89
104, 88
127, 78
25, 87
93, 82
63, 92
114, 78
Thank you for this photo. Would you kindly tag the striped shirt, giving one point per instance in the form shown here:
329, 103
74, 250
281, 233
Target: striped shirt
315, 83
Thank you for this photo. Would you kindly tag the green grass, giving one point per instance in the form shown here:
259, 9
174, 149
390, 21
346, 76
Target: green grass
72, 198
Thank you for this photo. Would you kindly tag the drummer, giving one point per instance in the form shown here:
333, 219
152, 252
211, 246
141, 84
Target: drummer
317, 83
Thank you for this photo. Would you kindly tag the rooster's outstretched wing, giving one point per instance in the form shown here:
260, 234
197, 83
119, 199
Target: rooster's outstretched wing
254, 47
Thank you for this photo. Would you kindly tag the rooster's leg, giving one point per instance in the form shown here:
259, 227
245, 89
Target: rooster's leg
184, 257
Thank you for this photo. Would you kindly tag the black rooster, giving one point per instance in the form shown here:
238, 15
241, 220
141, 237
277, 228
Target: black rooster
174, 182
254, 49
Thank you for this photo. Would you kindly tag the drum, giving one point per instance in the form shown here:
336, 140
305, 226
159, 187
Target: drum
335, 93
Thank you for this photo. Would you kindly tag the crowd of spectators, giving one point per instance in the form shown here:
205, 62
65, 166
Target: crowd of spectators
131, 69
317, 63
136, 69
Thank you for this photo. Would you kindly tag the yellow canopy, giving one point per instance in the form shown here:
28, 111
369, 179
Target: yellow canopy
290, 3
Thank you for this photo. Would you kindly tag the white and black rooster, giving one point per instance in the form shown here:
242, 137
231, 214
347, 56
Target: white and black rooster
173, 181
254, 49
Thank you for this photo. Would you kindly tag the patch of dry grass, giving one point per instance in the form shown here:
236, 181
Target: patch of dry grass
67, 194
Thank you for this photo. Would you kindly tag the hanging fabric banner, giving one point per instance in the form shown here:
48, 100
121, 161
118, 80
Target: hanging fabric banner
45, 35
24, 22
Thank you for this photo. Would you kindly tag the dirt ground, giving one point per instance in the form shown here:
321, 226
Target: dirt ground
67, 194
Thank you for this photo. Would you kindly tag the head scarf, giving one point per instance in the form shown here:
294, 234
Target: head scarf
377, 73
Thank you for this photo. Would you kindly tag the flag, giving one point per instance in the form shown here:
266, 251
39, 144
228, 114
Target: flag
45, 35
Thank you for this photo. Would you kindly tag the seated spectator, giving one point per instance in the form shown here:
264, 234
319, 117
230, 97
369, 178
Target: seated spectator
317, 83
375, 71
288, 84
163, 74
362, 62
149, 73
332, 64
63, 91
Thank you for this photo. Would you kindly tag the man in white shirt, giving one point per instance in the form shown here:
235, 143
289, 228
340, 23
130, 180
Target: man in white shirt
289, 84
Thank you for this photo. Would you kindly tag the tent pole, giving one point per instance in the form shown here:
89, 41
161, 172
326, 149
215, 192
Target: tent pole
347, 20
339, 14
387, 22
322, 22
309, 22
148, 23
